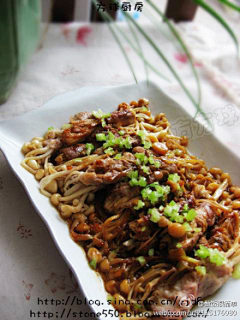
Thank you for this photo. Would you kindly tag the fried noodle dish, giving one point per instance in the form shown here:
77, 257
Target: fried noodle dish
154, 221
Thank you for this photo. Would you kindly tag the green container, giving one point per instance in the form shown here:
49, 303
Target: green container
19, 34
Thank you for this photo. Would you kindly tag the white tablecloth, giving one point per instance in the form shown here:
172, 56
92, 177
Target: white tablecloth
76, 55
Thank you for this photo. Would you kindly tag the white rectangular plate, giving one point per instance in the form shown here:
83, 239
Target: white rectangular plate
55, 112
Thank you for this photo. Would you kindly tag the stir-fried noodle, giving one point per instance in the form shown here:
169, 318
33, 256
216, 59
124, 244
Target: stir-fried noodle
155, 222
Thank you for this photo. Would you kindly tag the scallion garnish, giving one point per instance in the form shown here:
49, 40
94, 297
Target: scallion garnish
203, 252
99, 114
133, 174
101, 137
151, 252
118, 156
141, 260
109, 151
155, 195
174, 177
191, 214
151, 160
172, 212
142, 158
93, 263
142, 182
145, 169
142, 135
127, 143
135, 181
187, 227
147, 144
139, 205
214, 255
89, 148
103, 121
155, 215
236, 271
157, 164
110, 298
201, 270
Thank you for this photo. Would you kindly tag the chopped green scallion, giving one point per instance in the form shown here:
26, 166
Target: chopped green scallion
151, 252
93, 263
110, 298
99, 114
101, 137
174, 177
147, 144
187, 226
171, 209
145, 169
191, 214
109, 151
141, 260
201, 270
142, 135
146, 192
154, 197
139, 205
236, 271
157, 164
155, 215
118, 156
103, 122
90, 148
151, 160
127, 143
133, 174
215, 256
142, 182
203, 252
141, 157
